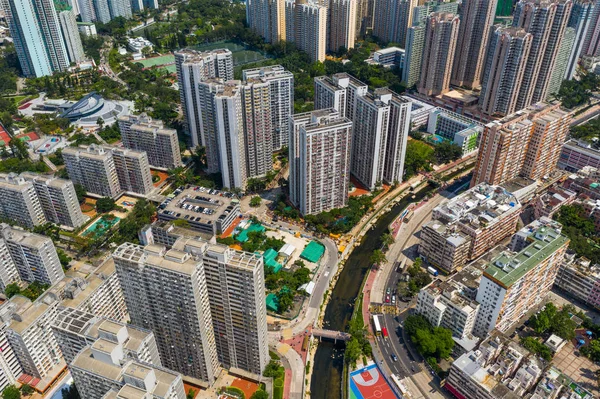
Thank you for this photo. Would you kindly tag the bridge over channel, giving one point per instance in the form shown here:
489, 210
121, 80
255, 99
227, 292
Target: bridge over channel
330, 334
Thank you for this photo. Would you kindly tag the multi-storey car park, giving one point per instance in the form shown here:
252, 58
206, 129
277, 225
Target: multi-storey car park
206, 210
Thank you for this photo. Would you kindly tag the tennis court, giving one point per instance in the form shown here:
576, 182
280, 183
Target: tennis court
369, 383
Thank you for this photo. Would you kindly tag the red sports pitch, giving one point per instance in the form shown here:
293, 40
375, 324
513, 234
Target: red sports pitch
369, 383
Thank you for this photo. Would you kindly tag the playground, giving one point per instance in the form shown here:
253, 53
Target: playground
369, 383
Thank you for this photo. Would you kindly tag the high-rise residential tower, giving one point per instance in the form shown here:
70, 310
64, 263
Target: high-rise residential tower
267, 18
508, 51
35, 30
311, 29
392, 19
281, 92
381, 123
236, 293
413, 60
339, 91
562, 62
142, 133
194, 67
438, 53
19, 201
364, 16
320, 160
342, 24
526, 143
58, 199
133, 170
94, 168
580, 21
477, 17
591, 44
33, 255
68, 27
546, 20
166, 293
258, 130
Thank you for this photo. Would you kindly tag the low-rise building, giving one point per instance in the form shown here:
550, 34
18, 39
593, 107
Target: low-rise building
458, 129
548, 203
515, 282
137, 44
483, 216
451, 304
498, 369
580, 279
390, 57
419, 114
206, 210
585, 182
577, 154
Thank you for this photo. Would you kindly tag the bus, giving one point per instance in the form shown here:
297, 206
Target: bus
403, 389
408, 216
377, 325
384, 332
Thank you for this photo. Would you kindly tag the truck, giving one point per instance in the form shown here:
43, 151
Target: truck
432, 271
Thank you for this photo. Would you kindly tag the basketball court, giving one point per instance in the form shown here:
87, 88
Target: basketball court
369, 383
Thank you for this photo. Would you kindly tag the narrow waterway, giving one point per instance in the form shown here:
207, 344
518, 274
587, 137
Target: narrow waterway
328, 363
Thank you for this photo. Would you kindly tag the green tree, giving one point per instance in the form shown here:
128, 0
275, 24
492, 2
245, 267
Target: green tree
418, 157
377, 258
446, 151
181, 223
191, 394
18, 148
387, 239
353, 351
11, 392
26, 389
255, 201
11, 290
260, 394
105, 204
70, 393
63, 258
80, 192
100, 122
285, 300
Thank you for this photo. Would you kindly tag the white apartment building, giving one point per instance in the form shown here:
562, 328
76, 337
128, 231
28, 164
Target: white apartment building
281, 92
34, 256
340, 92
30, 336
133, 170
68, 26
142, 133
102, 370
94, 168
451, 304
194, 67
19, 201
236, 293
166, 293
381, 124
58, 200
580, 279
10, 369
513, 283
75, 329
320, 161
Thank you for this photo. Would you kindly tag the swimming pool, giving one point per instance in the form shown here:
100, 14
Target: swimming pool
101, 226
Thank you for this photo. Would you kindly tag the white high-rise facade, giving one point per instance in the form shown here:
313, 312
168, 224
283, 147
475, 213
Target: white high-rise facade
258, 128
19, 201
68, 26
166, 293
281, 92
142, 133
58, 199
94, 168
580, 20
194, 67
320, 161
